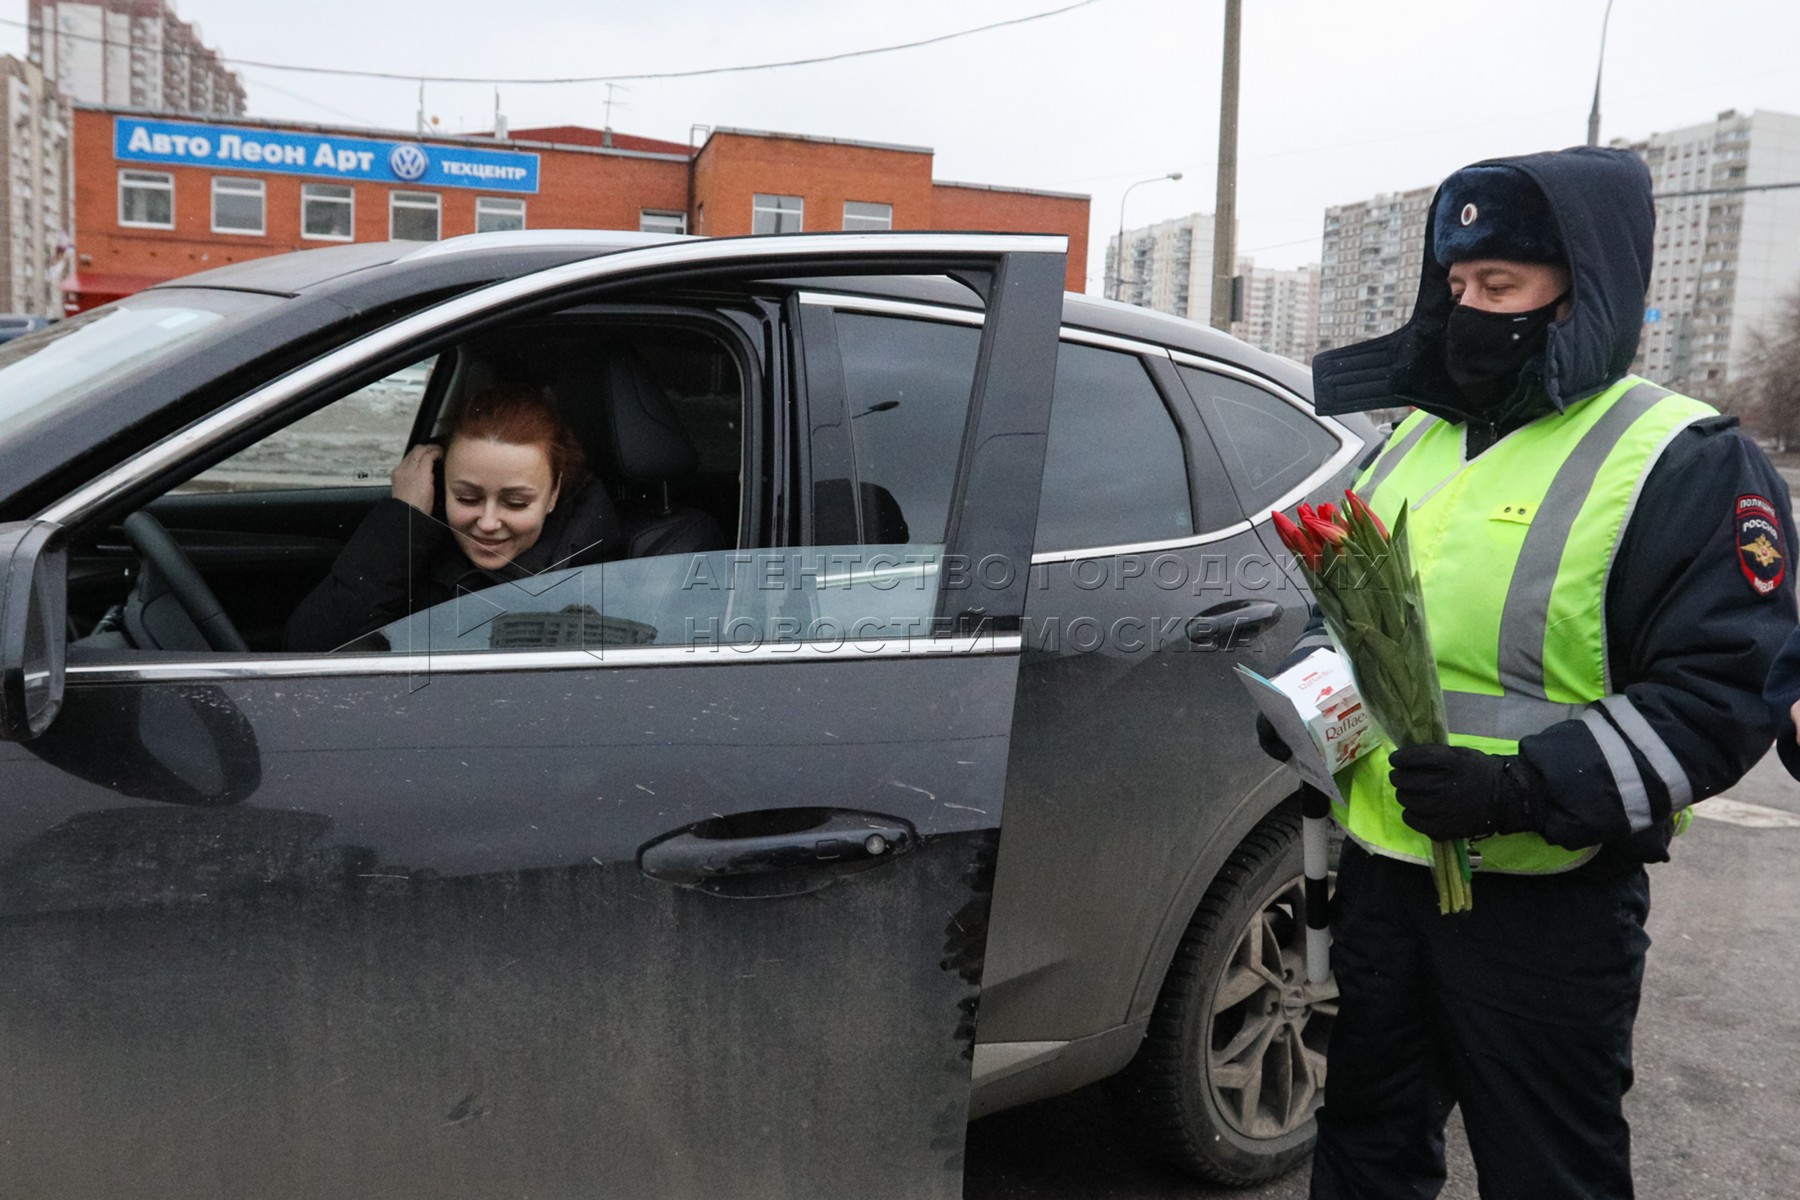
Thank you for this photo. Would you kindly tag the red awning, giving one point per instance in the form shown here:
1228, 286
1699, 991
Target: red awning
88, 289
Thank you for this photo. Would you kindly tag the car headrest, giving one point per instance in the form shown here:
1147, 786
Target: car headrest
646, 440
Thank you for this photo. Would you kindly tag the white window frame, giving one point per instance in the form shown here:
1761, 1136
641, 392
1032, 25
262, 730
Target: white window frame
758, 208
868, 221
508, 206
348, 201
415, 200
238, 185
148, 181
670, 221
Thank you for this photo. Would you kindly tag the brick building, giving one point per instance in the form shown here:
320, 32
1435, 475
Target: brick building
159, 196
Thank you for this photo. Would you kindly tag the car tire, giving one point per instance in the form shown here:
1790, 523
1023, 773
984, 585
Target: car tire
1231, 1095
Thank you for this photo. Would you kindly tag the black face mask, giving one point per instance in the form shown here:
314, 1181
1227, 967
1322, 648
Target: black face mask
1485, 351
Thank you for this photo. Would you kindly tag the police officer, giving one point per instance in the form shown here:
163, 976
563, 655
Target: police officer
1604, 565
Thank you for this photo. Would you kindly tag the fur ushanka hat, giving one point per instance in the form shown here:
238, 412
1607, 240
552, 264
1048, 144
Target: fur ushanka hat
1488, 211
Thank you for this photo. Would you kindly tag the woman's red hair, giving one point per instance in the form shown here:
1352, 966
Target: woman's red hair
519, 415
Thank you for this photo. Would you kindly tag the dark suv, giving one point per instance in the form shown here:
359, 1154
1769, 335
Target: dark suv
890, 771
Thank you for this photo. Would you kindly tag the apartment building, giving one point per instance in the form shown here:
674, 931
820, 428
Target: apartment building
36, 213
1369, 266
1280, 310
1725, 256
131, 54
1167, 266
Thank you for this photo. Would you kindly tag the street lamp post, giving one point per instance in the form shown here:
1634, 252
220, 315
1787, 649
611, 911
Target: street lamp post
1118, 292
1594, 112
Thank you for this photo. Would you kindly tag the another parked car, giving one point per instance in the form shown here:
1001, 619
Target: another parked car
909, 779
14, 325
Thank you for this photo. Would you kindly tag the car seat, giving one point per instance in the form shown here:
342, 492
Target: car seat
637, 439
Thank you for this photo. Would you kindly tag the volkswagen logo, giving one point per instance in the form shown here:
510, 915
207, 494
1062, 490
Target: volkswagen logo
408, 162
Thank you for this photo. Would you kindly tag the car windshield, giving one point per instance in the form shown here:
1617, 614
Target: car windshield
40, 372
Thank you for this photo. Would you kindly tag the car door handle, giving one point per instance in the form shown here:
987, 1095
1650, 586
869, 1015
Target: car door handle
775, 852
1230, 623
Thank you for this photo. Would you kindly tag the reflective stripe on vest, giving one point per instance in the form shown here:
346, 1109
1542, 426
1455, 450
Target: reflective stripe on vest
1513, 552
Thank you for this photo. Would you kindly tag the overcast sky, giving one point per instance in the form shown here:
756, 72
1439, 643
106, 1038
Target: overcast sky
1340, 98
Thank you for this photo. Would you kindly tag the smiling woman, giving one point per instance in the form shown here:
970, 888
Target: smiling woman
504, 497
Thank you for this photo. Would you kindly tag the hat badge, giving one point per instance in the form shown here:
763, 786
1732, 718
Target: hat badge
1469, 213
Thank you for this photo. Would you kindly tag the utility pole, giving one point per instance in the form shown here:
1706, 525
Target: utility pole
1225, 209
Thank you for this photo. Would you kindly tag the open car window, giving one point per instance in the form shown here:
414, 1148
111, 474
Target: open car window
659, 409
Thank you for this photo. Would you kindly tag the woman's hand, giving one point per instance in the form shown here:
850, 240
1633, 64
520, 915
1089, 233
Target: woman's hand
1794, 713
415, 479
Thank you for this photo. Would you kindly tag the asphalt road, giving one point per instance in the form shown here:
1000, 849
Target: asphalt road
1716, 1111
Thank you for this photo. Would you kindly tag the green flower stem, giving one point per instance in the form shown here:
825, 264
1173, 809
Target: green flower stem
1369, 593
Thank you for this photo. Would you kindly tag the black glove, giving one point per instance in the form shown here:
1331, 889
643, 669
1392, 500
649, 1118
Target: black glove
1270, 741
1266, 737
1452, 792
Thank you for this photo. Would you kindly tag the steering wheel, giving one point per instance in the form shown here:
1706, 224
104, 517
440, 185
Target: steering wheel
150, 539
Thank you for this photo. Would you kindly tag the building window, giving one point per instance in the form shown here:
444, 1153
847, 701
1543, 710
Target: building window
498, 214
861, 214
237, 206
328, 211
413, 216
777, 214
652, 220
147, 199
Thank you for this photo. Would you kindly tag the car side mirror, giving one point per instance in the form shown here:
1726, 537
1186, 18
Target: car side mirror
34, 591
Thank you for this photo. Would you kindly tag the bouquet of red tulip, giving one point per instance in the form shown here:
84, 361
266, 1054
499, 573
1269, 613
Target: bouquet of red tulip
1363, 580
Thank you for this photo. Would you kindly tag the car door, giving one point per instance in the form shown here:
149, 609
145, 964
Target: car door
697, 912
1132, 741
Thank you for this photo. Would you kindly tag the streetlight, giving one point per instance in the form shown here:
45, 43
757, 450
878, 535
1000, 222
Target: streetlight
1594, 112
1119, 254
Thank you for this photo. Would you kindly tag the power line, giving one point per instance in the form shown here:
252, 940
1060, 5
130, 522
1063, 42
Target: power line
768, 66
336, 112
1727, 191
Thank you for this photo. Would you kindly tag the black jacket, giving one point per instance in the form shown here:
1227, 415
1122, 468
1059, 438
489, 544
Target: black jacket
400, 561
1781, 692
1690, 634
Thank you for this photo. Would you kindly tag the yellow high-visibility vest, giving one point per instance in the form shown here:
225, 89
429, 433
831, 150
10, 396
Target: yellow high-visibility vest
1513, 551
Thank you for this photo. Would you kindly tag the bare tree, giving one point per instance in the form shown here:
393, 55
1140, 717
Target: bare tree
1770, 383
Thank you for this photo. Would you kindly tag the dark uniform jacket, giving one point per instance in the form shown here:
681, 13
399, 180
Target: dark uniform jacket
400, 561
1696, 609
1782, 691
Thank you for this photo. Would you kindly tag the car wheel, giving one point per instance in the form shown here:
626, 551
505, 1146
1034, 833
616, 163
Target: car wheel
1231, 1072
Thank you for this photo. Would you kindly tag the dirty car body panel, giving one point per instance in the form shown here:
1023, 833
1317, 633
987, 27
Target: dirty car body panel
632, 920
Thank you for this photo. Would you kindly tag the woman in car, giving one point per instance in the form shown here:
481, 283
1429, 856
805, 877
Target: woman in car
514, 500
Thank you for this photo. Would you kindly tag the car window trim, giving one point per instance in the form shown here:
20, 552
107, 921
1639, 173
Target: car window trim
1349, 445
483, 662
545, 285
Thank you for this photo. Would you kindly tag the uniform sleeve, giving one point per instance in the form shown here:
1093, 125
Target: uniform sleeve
370, 583
1781, 692
1693, 625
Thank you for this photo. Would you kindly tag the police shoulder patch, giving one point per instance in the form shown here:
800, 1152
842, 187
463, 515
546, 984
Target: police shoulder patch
1762, 554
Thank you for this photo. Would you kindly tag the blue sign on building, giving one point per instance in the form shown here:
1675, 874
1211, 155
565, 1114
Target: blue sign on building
324, 156
1652, 315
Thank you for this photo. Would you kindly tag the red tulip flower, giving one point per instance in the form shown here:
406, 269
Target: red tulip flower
1299, 542
1361, 508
